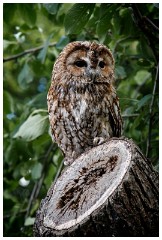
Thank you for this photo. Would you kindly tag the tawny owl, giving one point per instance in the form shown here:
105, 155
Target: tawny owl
82, 102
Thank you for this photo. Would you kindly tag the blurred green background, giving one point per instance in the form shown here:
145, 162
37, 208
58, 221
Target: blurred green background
34, 35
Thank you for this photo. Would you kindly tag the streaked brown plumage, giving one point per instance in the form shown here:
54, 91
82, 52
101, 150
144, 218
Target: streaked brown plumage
82, 102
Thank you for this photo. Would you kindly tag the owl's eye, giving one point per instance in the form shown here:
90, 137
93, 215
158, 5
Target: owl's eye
81, 63
101, 64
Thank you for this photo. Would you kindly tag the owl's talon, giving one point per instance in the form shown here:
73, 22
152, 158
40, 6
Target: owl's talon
98, 141
68, 161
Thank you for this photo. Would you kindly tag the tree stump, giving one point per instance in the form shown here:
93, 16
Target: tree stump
110, 190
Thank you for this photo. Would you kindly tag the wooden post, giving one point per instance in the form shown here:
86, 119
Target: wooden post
110, 190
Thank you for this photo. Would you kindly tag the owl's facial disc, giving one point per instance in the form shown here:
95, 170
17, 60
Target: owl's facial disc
90, 65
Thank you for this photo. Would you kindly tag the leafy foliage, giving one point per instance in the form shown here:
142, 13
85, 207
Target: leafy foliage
34, 34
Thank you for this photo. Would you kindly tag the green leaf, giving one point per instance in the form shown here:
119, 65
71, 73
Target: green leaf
35, 206
141, 76
29, 221
28, 13
38, 101
50, 175
33, 127
104, 25
144, 62
62, 42
125, 18
58, 156
39, 111
43, 52
145, 49
36, 171
7, 43
44, 140
143, 101
24, 168
9, 9
104, 8
8, 103
120, 72
25, 76
52, 8
16, 150
117, 24
77, 17
8, 195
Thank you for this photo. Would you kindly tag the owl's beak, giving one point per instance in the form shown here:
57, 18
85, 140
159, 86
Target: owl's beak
92, 74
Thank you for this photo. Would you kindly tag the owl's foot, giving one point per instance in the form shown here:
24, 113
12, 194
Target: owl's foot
68, 161
98, 141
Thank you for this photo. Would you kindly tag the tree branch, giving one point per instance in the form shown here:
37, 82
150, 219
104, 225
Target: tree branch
38, 184
130, 115
149, 29
28, 51
31, 200
151, 32
151, 113
59, 171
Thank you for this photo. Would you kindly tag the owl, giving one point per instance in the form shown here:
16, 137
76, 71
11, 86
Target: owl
82, 102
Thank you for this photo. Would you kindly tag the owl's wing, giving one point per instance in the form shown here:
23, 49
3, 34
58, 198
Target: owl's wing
115, 117
52, 106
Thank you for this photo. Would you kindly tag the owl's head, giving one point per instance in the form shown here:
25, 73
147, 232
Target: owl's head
88, 62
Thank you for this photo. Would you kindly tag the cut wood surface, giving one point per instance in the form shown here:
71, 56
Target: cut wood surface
111, 190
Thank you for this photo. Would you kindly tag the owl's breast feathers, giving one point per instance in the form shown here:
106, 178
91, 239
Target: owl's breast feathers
86, 104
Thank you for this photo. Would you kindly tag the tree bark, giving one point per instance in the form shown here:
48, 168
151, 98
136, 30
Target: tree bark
110, 190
